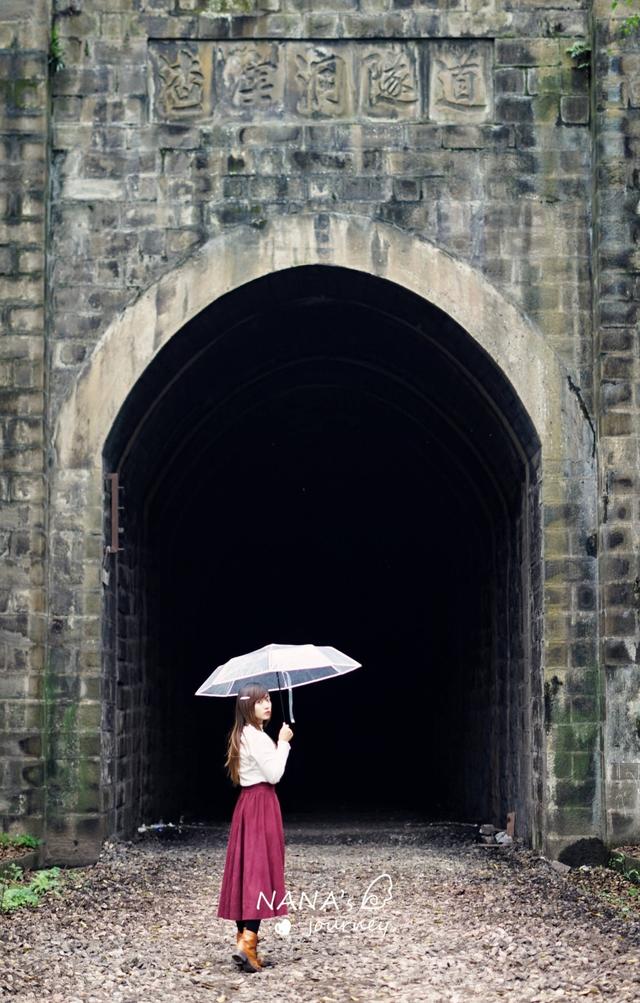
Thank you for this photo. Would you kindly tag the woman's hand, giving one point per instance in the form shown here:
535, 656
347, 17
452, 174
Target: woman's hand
285, 734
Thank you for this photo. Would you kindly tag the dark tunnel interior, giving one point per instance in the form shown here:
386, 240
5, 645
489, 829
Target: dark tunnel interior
324, 457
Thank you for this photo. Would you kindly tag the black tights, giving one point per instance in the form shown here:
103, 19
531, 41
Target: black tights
251, 924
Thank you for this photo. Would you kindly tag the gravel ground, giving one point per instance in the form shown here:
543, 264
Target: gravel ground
400, 911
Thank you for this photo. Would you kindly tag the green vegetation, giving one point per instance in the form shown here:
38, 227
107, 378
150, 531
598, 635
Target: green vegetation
581, 52
618, 862
56, 54
15, 891
227, 6
21, 840
630, 23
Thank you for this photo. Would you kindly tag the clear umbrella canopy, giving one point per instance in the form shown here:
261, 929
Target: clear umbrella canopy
275, 666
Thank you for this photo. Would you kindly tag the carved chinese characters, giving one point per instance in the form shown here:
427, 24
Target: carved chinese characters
389, 82
460, 82
445, 82
323, 83
181, 80
182, 86
252, 78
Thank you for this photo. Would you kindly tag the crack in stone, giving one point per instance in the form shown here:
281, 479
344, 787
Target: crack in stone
583, 407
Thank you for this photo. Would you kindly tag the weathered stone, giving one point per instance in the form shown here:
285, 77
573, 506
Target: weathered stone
443, 150
574, 109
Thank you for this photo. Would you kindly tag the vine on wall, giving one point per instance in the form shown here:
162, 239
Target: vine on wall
630, 23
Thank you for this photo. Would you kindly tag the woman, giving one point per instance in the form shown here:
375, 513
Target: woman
253, 880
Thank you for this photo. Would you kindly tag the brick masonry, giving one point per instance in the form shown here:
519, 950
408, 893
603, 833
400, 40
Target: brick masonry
466, 124
24, 134
616, 101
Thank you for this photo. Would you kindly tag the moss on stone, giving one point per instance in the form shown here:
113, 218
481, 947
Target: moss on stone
578, 794
575, 737
555, 709
235, 165
547, 107
562, 764
583, 766
258, 218
64, 774
16, 92
227, 7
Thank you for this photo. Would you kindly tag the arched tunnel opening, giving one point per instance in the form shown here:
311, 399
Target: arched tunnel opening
322, 456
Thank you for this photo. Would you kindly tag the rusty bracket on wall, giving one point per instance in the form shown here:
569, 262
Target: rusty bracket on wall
116, 529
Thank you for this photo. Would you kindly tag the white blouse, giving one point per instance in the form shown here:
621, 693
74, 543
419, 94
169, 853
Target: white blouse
260, 759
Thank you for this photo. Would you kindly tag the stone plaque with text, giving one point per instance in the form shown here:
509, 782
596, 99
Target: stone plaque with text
444, 82
460, 82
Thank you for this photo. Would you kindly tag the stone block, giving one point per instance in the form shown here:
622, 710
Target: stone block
461, 82
423, 136
510, 81
7, 261
616, 424
622, 826
574, 737
93, 189
571, 821
514, 109
364, 189
464, 137
528, 52
574, 109
21, 289
620, 652
26, 319
407, 189
622, 624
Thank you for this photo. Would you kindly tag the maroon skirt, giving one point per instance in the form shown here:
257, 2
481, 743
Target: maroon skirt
253, 878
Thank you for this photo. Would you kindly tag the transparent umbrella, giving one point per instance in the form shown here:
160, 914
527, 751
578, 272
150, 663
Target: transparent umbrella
275, 666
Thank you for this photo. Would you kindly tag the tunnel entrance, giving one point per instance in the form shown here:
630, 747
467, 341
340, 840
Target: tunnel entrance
322, 456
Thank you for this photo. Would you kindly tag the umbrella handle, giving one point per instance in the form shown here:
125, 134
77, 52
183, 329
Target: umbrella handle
287, 679
291, 717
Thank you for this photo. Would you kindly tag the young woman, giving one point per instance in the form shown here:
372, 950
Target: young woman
255, 853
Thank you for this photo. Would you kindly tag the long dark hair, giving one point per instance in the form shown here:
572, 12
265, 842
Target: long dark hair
245, 714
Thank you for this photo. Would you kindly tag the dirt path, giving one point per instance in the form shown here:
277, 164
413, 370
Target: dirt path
451, 922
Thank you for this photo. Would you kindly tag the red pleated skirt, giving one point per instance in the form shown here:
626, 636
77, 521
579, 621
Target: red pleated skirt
253, 878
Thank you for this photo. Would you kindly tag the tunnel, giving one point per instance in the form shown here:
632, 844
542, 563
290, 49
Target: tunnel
321, 456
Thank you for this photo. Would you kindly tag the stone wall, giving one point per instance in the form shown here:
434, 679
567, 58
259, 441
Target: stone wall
171, 125
617, 283
24, 138
465, 125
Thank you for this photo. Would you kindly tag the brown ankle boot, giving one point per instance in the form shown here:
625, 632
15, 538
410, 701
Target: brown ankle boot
247, 946
240, 957
238, 954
